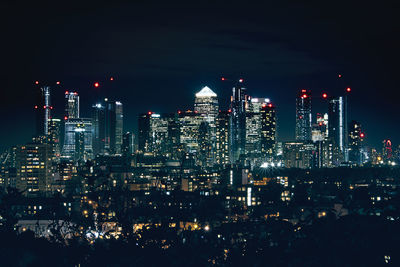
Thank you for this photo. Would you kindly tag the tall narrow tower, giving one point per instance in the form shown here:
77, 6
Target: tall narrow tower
337, 124
42, 110
303, 115
238, 122
206, 105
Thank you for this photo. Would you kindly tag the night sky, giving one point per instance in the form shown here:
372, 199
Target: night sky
160, 55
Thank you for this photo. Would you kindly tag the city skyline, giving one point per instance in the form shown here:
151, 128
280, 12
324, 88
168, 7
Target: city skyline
211, 133
276, 54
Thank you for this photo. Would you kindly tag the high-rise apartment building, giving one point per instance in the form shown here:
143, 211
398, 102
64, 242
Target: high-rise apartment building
33, 165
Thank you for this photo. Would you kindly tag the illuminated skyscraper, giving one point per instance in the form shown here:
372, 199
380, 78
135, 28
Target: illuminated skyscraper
42, 110
78, 139
108, 127
158, 135
303, 116
238, 122
387, 151
253, 126
206, 105
144, 132
268, 131
127, 144
222, 138
337, 126
53, 137
189, 130
99, 128
114, 126
71, 105
356, 137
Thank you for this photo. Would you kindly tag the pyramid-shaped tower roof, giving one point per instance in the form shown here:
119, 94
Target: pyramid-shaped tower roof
206, 92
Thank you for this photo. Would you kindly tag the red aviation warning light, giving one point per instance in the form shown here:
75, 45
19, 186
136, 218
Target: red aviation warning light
58, 82
65, 118
348, 89
303, 90
324, 95
270, 105
362, 135
112, 79
340, 75
304, 96
240, 80
35, 107
36, 82
223, 79
96, 84
149, 112
66, 92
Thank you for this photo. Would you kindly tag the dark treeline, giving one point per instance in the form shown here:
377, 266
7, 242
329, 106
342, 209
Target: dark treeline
349, 241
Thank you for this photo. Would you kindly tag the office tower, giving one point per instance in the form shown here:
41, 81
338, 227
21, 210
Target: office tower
42, 110
113, 126
298, 155
33, 165
303, 116
355, 143
98, 124
78, 139
71, 105
189, 130
206, 145
127, 144
53, 137
144, 132
254, 104
108, 127
238, 122
253, 126
320, 128
268, 131
206, 105
222, 138
173, 136
387, 152
253, 135
337, 127
158, 135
